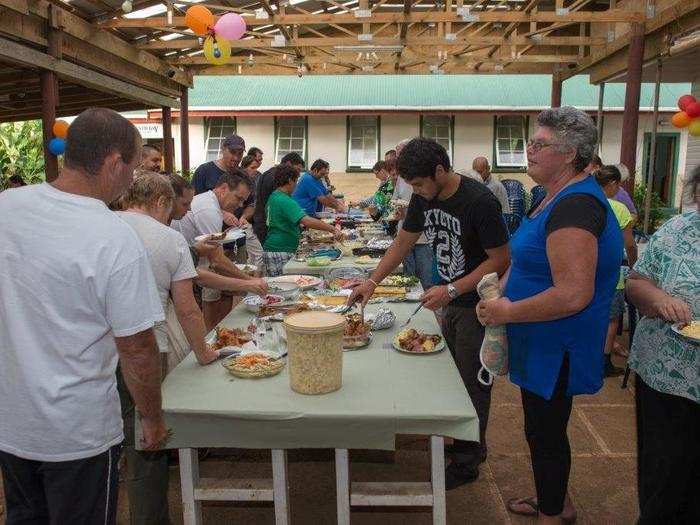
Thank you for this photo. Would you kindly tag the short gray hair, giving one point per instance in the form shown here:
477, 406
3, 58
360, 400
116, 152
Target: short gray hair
575, 129
401, 145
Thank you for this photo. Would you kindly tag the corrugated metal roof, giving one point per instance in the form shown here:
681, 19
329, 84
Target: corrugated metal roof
412, 92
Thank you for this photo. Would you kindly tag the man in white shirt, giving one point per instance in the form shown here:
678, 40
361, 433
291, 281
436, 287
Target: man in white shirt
76, 295
481, 171
207, 216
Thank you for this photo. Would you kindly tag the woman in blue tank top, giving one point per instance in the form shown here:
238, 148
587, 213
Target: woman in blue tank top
566, 259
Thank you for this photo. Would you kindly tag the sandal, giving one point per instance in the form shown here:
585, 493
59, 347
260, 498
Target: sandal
533, 509
620, 350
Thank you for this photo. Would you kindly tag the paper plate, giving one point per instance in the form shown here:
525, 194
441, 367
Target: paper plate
438, 347
677, 328
231, 236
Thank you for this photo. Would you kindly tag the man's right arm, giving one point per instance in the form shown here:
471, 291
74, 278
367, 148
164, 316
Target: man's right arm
140, 365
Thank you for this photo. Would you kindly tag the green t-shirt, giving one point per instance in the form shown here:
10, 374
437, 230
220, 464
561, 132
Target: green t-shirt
624, 218
282, 218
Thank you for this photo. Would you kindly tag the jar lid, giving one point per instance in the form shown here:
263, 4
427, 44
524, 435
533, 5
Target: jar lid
314, 321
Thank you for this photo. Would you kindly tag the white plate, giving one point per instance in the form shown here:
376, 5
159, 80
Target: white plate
676, 328
438, 348
231, 236
292, 279
254, 302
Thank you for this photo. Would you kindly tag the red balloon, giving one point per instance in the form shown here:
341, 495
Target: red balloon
693, 109
685, 101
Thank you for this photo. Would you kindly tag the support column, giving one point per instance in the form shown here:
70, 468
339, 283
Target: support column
556, 90
49, 91
184, 130
168, 152
630, 120
599, 116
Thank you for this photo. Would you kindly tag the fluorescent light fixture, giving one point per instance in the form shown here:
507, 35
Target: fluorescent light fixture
365, 37
451, 37
363, 13
562, 11
369, 48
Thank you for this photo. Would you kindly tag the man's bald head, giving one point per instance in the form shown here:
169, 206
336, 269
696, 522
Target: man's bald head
401, 145
481, 166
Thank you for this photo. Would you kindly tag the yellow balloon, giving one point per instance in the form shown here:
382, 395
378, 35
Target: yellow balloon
223, 46
694, 127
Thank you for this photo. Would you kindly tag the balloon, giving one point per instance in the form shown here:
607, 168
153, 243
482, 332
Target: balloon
231, 26
199, 19
680, 119
60, 129
694, 128
684, 101
57, 146
693, 109
217, 50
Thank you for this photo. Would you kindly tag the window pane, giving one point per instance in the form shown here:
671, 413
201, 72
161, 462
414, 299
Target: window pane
291, 136
218, 128
362, 141
510, 140
297, 145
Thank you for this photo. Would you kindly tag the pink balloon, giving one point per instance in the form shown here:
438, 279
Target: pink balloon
231, 26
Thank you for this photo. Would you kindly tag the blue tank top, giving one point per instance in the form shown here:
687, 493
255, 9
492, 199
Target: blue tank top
536, 350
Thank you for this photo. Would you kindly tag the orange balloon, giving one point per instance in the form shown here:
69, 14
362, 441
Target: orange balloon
680, 119
60, 129
199, 19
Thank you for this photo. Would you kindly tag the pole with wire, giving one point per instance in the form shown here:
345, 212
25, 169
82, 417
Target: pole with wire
652, 149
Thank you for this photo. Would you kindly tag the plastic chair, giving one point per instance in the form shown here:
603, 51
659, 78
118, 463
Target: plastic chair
516, 195
537, 193
512, 221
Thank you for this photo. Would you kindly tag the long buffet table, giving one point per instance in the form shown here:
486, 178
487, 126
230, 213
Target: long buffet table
384, 393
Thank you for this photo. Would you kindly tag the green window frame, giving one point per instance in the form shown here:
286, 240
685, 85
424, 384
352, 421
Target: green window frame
362, 142
510, 135
291, 136
440, 128
217, 129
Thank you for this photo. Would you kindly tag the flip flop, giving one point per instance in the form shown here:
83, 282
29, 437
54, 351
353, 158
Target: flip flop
530, 502
534, 510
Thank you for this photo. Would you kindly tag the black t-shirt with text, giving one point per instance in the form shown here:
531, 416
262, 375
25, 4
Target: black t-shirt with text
459, 229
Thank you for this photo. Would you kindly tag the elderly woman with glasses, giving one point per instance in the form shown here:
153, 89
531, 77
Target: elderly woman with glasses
557, 294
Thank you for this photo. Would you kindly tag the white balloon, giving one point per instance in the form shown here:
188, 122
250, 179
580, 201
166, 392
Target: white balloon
127, 6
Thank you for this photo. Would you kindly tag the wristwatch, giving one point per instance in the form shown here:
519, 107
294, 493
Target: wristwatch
452, 291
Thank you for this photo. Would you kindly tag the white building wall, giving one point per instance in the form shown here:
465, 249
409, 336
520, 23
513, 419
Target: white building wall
394, 128
327, 140
259, 132
473, 136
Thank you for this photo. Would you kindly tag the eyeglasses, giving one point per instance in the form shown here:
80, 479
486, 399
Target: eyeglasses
536, 146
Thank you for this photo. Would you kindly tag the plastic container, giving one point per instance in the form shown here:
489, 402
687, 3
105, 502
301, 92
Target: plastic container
315, 351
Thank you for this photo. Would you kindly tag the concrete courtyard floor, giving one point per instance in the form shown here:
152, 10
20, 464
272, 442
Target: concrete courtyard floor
602, 485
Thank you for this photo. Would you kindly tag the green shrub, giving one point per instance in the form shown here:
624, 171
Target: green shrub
21, 151
655, 209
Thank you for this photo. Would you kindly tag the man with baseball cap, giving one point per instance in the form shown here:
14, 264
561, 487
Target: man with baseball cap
208, 174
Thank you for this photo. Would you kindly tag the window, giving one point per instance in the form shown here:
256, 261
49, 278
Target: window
509, 144
291, 136
363, 142
218, 128
439, 128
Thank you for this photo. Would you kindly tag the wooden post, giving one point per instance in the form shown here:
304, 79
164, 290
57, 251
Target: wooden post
599, 116
168, 140
652, 149
49, 91
556, 90
630, 120
184, 131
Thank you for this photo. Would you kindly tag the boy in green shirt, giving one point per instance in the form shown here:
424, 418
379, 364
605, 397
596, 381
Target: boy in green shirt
284, 218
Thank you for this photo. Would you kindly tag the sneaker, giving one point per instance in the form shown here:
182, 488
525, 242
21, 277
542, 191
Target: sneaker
457, 475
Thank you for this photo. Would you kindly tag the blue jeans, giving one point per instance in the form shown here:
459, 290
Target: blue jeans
419, 262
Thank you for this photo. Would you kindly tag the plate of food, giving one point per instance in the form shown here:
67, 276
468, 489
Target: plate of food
223, 337
399, 280
392, 292
690, 331
254, 302
358, 333
367, 260
277, 312
328, 301
304, 282
412, 341
318, 261
225, 237
345, 283
254, 365
248, 269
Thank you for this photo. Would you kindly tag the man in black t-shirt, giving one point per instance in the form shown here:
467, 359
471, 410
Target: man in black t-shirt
463, 223
208, 174
264, 188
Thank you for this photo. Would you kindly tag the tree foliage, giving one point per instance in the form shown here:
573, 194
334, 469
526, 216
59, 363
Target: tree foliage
21, 151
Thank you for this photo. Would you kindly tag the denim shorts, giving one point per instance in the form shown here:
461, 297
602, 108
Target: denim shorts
617, 307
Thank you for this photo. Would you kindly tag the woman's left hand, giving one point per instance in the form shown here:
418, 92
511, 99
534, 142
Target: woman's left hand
494, 311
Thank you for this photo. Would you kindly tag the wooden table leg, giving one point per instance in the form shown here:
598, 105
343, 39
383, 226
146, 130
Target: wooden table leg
342, 485
280, 486
437, 478
189, 479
